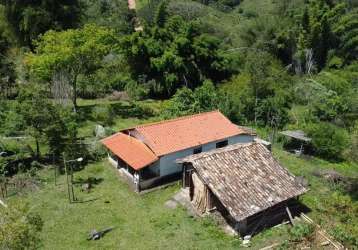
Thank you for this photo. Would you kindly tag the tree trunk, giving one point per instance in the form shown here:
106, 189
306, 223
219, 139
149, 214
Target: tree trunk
255, 113
37, 149
74, 97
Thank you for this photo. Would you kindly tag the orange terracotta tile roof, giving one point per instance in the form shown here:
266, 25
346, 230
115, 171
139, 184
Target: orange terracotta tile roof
186, 132
131, 150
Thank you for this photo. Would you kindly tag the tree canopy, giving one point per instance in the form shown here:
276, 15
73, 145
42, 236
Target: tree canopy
29, 19
172, 54
74, 52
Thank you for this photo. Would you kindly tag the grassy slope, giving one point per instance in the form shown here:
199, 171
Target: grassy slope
331, 206
141, 221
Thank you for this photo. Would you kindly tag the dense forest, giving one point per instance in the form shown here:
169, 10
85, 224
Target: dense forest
281, 64
268, 64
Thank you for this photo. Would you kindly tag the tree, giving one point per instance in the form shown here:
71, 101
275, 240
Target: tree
29, 19
346, 31
174, 54
7, 74
202, 99
42, 119
161, 14
329, 29
181, 103
329, 141
206, 98
19, 228
256, 67
113, 14
74, 51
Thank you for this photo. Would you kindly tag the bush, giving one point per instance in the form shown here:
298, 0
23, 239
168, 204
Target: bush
12, 124
137, 91
301, 231
328, 140
351, 154
19, 228
341, 234
95, 150
104, 115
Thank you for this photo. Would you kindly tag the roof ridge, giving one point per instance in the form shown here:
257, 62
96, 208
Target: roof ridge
111, 136
176, 119
212, 152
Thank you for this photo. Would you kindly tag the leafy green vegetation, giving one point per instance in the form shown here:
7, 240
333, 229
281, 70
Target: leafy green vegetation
112, 203
67, 67
19, 227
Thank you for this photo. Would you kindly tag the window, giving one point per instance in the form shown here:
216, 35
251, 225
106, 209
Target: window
222, 144
197, 150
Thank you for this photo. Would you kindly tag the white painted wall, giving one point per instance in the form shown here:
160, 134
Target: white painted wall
167, 162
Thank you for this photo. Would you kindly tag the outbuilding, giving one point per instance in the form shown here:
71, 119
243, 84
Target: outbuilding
243, 182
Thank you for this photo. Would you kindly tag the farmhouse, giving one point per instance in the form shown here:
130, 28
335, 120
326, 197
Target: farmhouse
147, 154
243, 182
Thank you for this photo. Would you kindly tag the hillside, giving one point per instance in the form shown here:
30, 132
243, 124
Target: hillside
72, 72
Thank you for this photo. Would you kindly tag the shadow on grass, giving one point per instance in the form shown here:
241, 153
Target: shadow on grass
87, 184
123, 110
85, 201
350, 187
90, 180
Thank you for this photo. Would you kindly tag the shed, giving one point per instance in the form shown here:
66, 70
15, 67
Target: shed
298, 136
242, 181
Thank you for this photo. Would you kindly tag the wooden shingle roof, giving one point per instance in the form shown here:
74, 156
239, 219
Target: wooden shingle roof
245, 178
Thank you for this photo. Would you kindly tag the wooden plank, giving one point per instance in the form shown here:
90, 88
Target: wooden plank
290, 215
270, 247
3, 203
323, 233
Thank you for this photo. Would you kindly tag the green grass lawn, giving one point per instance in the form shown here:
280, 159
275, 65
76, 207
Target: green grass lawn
140, 221
143, 222
332, 206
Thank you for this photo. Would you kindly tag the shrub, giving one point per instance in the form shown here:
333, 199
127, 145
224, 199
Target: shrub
342, 235
328, 140
13, 124
19, 228
95, 150
351, 153
301, 231
104, 115
137, 91
250, 14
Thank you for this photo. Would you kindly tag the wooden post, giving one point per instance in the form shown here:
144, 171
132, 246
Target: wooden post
301, 148
73, 193
68, 185
55, 168
184, 173
2, 189
290, 215
241, 226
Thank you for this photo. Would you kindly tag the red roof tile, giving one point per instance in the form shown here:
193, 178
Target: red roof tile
131, 150
186, 132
